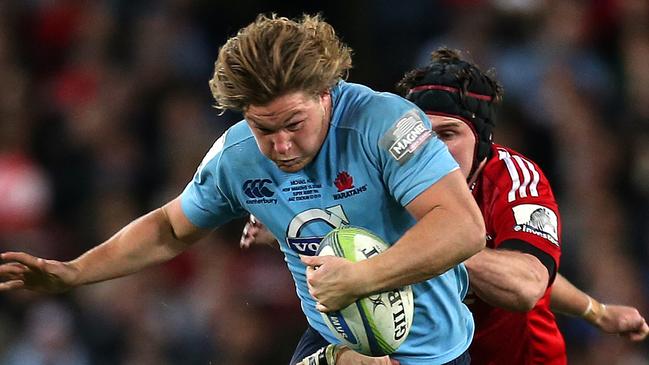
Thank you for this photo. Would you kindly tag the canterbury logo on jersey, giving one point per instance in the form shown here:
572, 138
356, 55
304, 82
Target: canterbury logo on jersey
525, 178
257, 191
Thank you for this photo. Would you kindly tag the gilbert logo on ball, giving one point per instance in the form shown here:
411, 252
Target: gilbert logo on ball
375, 325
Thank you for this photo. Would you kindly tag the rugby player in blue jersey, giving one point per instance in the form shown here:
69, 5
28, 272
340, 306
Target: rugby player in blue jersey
313, 153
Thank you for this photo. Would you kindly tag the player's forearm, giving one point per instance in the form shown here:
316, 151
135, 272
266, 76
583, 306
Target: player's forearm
507, 279
566, 298
609, 318
438, 242
147, 241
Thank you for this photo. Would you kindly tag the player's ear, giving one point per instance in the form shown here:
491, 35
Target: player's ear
325, 100
324, 95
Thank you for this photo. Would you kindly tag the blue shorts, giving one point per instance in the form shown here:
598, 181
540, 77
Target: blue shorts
311, 341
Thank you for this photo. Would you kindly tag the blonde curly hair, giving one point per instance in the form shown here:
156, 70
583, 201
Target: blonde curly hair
274, 56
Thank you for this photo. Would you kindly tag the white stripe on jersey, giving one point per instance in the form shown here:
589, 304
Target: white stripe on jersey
535, 180
505, 157
530, 175
526, 176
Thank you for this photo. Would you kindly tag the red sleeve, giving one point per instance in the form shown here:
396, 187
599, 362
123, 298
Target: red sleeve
523, 206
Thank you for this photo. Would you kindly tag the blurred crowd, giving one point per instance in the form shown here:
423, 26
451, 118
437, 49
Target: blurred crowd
105, 113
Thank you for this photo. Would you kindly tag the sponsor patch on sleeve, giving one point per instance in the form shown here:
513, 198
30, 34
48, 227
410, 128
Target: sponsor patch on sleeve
405, 137
538, 220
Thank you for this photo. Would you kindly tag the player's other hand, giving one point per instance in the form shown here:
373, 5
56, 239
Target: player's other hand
254, 232
333, 281
624, 321
19, 270
342, 355
349, 357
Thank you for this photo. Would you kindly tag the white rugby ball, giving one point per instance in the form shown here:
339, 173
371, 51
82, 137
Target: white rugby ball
378, 324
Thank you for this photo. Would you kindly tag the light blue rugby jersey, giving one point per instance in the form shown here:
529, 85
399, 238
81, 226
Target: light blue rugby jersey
379, 155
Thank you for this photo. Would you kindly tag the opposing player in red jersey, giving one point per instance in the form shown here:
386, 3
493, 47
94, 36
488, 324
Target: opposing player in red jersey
510, 279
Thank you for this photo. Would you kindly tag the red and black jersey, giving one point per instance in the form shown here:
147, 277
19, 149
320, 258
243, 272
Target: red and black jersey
518, 206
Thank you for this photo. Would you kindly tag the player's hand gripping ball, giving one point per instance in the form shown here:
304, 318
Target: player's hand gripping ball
375, 325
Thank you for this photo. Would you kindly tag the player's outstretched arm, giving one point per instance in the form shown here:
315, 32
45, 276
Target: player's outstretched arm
151, 239
507, 279
22, 270
609, 318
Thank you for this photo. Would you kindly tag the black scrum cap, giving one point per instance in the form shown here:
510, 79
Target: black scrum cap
456, 88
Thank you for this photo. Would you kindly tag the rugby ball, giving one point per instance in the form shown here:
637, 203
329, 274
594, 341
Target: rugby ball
375, 325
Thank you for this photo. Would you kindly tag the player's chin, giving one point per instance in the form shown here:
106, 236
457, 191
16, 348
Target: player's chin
291, 166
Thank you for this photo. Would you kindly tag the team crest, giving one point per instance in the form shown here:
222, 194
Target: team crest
344, 182
538, 220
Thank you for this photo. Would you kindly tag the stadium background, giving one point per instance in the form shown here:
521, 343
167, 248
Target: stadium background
105, 113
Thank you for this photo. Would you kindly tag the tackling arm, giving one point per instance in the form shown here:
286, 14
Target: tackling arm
255, 232
154, 238
507, 279
610, 318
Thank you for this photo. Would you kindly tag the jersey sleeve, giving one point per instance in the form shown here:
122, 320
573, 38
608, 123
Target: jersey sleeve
524, 208
205, 200
408, 153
